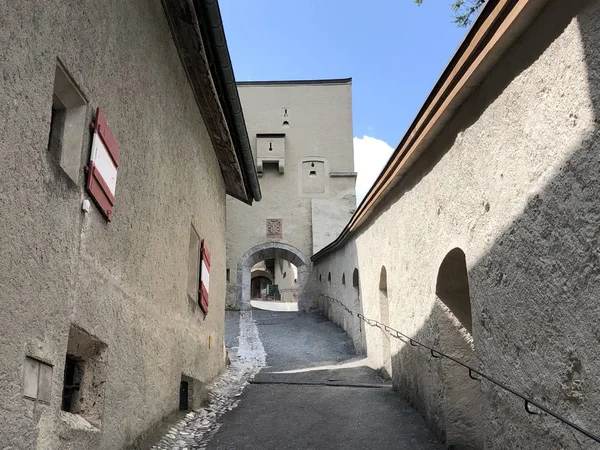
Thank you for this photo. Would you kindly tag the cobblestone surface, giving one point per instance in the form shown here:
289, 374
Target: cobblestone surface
195, 430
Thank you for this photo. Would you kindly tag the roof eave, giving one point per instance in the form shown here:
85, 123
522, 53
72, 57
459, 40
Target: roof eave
195, 27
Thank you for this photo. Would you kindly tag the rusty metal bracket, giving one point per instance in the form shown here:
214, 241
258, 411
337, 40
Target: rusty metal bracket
473, 377
527, 403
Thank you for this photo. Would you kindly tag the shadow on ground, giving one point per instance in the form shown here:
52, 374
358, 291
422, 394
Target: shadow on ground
316, 393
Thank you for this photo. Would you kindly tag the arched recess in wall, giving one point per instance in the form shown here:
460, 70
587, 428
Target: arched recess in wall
453, 315
384, 317
313, 177
344, 279
356, 305
452, 287
329, 277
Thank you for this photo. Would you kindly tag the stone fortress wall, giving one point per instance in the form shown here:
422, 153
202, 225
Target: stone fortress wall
487, 250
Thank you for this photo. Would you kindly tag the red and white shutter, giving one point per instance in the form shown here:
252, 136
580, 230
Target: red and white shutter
204, 277
102, 170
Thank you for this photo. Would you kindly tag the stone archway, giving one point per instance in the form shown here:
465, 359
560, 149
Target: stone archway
264, 251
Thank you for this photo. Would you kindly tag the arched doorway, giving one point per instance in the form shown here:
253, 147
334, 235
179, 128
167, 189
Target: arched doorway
269, 251
384, 317
259, 286
462, 397
261, 278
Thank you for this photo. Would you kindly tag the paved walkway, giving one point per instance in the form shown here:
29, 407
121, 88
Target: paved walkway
315, 393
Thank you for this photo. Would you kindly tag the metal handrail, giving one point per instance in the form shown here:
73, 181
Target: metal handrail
438, 354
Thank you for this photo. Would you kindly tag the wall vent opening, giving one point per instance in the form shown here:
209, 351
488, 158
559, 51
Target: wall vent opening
184, 394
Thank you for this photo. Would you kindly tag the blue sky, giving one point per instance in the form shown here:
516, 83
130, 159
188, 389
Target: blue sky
394, 51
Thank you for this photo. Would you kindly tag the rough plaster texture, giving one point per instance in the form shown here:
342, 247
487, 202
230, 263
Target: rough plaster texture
320, 119
123, 282
513, 182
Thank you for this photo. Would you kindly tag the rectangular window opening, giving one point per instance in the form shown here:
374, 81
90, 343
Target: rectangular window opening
67, 124
84, 377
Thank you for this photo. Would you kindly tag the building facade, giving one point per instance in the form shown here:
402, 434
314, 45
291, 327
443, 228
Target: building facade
301, 135
480, 238
102, 227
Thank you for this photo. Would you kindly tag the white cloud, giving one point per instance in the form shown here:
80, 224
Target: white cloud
370, 156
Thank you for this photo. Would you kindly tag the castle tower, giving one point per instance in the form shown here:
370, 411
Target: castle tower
301, 137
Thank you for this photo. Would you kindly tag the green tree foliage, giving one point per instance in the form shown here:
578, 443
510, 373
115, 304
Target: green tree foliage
464, 10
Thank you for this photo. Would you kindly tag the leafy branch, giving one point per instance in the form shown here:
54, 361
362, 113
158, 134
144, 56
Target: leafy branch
463, 10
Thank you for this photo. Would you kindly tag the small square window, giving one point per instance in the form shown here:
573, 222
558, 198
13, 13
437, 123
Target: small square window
37, 384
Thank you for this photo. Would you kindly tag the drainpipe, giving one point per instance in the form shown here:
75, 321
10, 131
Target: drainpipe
211, 15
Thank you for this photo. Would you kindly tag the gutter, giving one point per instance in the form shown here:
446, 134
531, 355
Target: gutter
319, 82
222, 70
499, 24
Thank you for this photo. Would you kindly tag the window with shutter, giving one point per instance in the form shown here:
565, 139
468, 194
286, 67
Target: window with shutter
204, 277
102, 170
194, 266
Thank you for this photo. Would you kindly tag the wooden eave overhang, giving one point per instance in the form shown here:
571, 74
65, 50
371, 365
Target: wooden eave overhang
200, 66
499, 24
